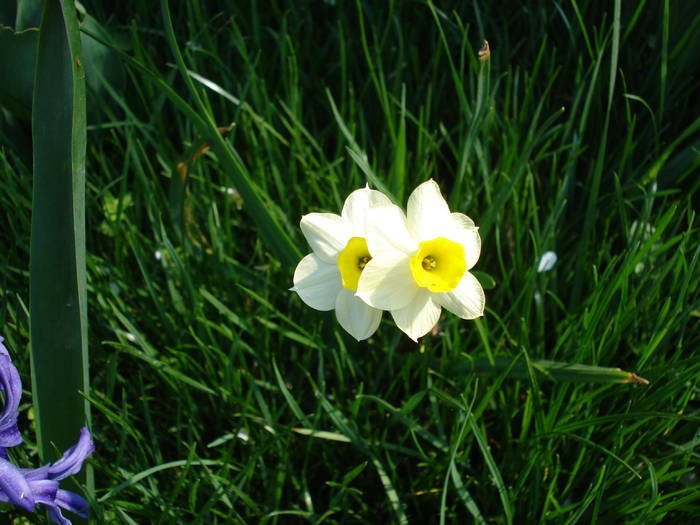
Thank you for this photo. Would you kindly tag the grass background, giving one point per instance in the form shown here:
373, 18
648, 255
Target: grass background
219, 397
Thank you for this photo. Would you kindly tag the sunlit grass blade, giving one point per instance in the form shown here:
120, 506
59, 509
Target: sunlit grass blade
57, 263
346, 428
496, 476
462, 491
544, 369
270, 230
358, 155
158, 468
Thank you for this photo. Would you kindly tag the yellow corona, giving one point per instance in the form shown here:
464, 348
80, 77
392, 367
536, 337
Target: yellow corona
438, 265
352, 260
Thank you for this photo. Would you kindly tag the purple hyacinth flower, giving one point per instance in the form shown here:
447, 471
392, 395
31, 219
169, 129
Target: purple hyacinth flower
14, 487
70, 463
69, 501
27, 488
11, 384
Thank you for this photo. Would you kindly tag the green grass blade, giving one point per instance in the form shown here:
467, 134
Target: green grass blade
496, 477
57, 259
464, 494
159, 468
357, 154
345, 427
456, 477
551, 370
663, 89
270, 230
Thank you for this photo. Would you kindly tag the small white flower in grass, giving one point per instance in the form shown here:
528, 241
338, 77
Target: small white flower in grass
326, 279
420, 262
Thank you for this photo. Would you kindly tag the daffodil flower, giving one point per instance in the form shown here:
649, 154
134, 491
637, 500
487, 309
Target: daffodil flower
420, 262
327, 278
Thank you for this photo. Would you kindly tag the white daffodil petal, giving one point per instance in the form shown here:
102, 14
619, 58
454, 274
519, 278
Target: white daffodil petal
428, 212
326, 233
357, 318
466, 301
317, 283
387, 231
386, 282
356, 206
418, 317
463, 231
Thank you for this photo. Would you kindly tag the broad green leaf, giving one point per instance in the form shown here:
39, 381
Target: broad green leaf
8, 13
17, 58
57, 261
28, 13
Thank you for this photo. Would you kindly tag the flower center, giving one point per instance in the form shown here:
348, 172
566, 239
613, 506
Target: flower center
352, 260
438, 265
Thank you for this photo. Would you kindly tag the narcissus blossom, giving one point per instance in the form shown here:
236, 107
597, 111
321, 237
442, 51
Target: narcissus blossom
27, 488
420, 262
327, 278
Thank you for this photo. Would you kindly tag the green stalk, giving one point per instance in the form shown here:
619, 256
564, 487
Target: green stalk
270, 230
517, 369
57, 257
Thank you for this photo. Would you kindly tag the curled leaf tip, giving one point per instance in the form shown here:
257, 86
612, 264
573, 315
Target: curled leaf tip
634, 378
485, 51
226, 129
